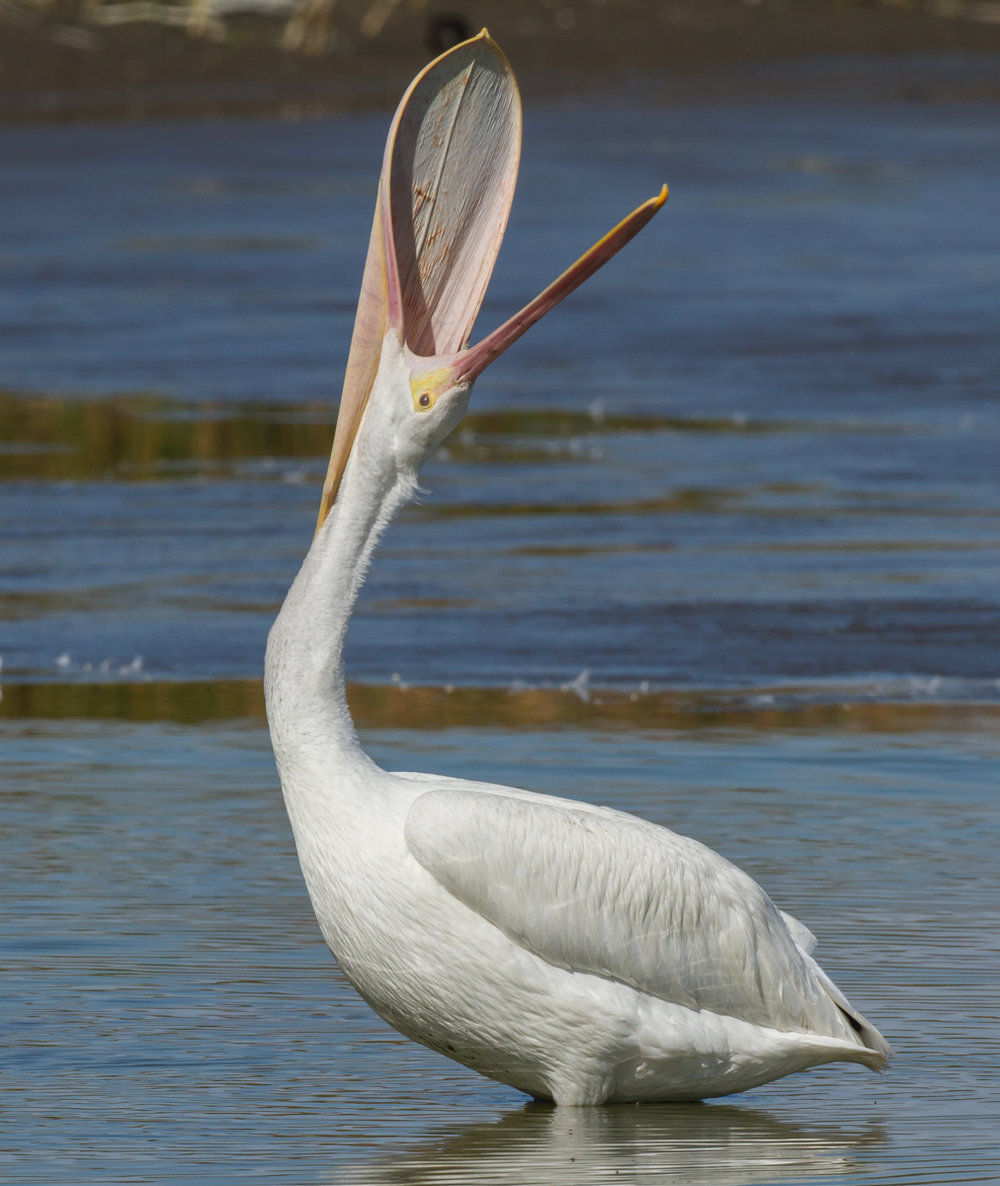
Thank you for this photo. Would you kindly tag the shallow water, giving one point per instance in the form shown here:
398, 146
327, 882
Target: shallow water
718, 544
171, 1013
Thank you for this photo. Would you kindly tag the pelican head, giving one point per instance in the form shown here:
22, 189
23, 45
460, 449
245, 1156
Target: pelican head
444, 196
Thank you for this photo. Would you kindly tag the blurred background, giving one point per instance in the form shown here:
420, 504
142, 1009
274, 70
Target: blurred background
78, 58
719, 543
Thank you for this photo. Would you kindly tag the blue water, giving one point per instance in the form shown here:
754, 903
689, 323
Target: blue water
719, 543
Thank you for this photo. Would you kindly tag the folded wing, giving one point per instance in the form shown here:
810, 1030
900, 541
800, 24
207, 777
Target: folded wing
603, 892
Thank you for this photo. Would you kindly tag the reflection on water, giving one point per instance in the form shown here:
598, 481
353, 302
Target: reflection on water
875, 706
719, 544
694, 1145
143, 437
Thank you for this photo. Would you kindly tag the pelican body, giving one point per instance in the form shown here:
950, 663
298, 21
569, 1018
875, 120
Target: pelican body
577, 953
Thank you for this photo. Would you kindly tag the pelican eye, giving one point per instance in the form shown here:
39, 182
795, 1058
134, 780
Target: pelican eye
426, 388
424, 398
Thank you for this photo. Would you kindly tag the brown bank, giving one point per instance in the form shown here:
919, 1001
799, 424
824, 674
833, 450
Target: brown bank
113, 60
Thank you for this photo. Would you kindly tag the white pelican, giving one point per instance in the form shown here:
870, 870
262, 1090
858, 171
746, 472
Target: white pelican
579, 954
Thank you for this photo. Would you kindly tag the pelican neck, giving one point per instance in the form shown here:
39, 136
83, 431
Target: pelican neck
305, 682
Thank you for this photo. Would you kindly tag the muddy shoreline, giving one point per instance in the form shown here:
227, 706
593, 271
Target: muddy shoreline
63, 67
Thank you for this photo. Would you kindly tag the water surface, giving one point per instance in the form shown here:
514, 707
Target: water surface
719, 543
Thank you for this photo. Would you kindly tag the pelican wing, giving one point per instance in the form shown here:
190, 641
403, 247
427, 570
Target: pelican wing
599, 891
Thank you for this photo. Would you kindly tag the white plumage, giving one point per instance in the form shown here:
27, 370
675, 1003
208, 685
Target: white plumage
577, 953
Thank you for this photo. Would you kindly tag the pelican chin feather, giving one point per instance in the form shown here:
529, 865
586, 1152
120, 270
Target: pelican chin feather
577, 953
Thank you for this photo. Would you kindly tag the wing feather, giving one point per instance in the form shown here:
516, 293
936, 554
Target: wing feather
600, 891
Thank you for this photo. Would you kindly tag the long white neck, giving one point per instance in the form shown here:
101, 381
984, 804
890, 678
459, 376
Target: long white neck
304, 684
